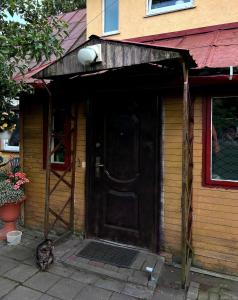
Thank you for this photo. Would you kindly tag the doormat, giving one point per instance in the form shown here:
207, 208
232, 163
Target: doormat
108, 254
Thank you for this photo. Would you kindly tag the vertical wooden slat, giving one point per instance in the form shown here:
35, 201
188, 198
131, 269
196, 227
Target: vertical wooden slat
75, 121
21, 153
187, 182
48, 163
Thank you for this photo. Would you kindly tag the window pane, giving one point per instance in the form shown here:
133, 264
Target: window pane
225, 139
164, 3
59, 153
59, 136
15, 137
110, 15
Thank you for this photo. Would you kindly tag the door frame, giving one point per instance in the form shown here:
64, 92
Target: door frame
90, 153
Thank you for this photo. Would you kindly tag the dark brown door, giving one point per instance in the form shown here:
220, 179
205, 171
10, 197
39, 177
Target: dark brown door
124, 173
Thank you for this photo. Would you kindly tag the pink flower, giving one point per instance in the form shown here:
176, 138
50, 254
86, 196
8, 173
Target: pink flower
20, 175
16, 187
20, 182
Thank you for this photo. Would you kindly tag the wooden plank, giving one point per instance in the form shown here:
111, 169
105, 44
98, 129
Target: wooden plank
70, 65
186, 197
228, 259
218, 248
216, 228
214, 209
214, 234
215, 265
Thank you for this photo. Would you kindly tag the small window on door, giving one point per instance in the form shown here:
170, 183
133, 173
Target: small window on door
163, 6
221, 161
111, 17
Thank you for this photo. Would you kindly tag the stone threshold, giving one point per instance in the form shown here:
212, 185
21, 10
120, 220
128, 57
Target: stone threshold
136, 274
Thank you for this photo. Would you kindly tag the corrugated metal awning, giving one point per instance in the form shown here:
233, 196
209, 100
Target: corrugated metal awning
211, 47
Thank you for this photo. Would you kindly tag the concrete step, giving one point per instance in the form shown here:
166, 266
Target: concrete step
137, 274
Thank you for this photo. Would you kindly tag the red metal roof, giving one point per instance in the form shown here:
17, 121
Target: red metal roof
76, 36
212, 47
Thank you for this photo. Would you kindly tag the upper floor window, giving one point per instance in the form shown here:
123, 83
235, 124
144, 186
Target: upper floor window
161, 6
221, 134
111, 16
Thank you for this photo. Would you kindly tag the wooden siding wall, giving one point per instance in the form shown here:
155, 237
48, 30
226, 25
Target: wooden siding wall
215, 223
80, 170
33, 166
32, 162
215, 226
172, 181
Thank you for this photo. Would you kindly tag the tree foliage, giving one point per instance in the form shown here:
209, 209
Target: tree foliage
54, 7
35, 38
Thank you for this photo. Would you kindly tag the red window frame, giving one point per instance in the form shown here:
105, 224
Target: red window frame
207, 144
67, 142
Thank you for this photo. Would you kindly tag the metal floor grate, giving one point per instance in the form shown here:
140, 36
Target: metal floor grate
113, 255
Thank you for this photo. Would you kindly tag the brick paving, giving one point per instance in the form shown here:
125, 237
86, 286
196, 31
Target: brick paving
21, 280
70, 277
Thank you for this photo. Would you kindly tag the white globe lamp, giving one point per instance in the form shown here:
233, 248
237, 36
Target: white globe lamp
89, 55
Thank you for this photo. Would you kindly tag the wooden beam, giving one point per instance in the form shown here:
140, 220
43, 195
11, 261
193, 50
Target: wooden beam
48, 163
58, 217
187, 181
74, 118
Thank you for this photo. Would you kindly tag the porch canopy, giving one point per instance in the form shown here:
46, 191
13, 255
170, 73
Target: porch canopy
116, 55
123, 55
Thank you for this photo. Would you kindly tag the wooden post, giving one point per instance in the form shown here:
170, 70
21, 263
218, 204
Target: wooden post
74, 150
48, 163
21, 115
187, 180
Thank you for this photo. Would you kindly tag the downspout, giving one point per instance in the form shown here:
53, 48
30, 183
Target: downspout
231, 73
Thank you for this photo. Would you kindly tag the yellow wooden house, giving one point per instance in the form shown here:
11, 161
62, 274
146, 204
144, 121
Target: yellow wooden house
135, 138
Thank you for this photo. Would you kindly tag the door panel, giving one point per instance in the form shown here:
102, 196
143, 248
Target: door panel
124, 156
121, 133
117, 205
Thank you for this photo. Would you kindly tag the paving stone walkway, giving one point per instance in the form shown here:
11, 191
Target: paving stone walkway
21, 280
72, 278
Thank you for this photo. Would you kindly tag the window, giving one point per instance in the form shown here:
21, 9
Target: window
111, 14
161, 6
61, 140
221, 142
12, 143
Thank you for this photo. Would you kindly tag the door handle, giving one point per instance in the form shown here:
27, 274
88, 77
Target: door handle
98, 165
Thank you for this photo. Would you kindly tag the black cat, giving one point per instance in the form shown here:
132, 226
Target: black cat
44, 254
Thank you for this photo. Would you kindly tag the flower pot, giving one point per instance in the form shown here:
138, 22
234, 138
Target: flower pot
14, 237
9, 213
5, 135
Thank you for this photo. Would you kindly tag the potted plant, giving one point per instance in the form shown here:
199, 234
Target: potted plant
11, 197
